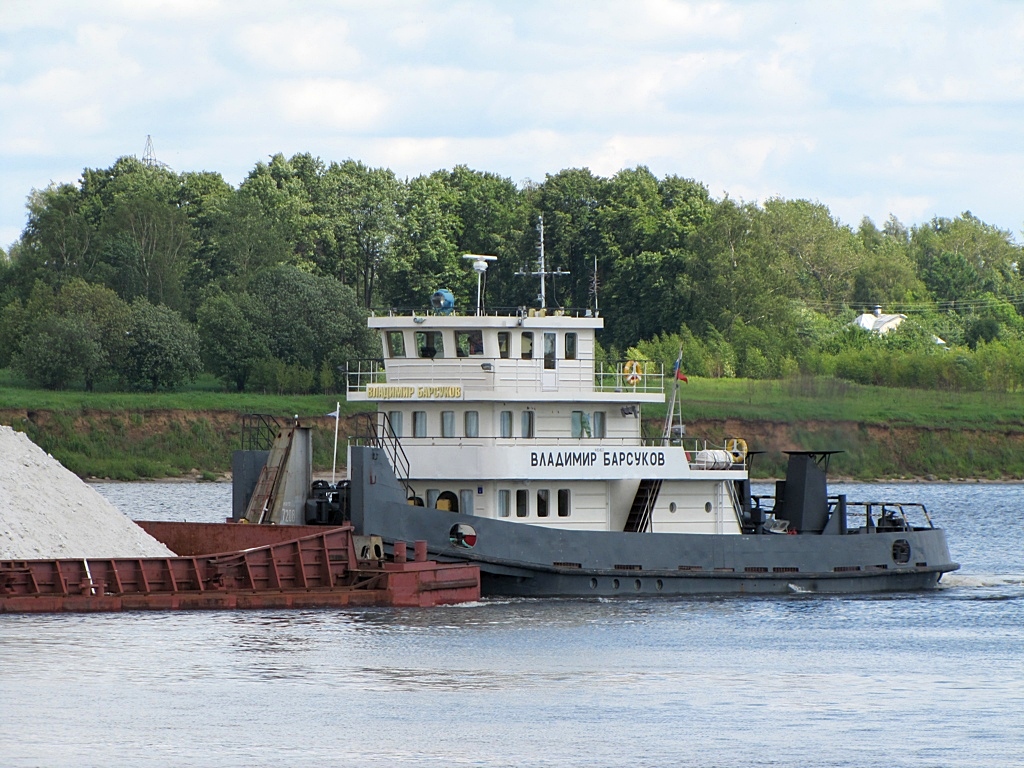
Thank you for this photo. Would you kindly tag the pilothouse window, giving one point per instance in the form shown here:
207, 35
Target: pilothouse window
469, 343
396, 344
526, 345
429, 344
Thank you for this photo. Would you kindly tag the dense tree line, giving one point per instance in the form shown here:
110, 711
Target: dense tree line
140, 277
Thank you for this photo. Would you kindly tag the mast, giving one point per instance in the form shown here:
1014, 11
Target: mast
542, 271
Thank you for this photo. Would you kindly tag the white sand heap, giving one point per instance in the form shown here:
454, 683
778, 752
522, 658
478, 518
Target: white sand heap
47, 512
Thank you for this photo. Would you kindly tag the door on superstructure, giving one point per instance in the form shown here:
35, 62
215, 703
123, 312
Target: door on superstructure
549, 375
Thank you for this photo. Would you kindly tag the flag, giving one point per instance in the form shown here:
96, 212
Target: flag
679, 371
333, 414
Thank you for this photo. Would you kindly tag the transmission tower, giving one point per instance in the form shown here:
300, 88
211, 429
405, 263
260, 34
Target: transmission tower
149, 155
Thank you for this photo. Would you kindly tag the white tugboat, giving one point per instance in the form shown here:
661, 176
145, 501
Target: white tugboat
500, 440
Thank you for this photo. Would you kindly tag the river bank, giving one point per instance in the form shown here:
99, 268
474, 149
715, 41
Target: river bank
189, 444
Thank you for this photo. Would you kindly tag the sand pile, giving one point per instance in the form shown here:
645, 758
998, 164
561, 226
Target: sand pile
47, 512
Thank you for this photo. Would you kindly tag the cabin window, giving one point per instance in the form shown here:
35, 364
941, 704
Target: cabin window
549, 351
527, 424
395, 420
469, 343
570, 346
466, 501
419, 423
599, 424
580, 424
543, 495
396, 344
472, 424
447, 423
522, 503
504, 342
429, 344
432, 494
526, 346
564, 505
506, 423
504, 503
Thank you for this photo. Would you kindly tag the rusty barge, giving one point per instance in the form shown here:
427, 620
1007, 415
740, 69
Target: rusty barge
231, 566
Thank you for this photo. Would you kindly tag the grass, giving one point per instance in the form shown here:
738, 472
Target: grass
883, 432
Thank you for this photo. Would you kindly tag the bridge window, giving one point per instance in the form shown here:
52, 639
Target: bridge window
469, 343
600, 424
396, 343
570, 346
564, 502
527, 423
506, 423
395, 420
472, 424
504, 342
543, 496
419, 423
447, 423
522, 503
429, 344
526, 347
504, 503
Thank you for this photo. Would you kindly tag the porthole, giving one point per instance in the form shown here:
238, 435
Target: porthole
637, 585
672, 507
659, 584
593, 583
615, 583
707, 507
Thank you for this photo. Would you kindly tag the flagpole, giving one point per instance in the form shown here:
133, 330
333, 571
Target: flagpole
337, 418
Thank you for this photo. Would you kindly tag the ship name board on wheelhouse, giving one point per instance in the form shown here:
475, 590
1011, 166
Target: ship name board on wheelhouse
405, 392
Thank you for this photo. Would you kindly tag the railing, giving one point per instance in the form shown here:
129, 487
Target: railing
487, 312
876, 515
259, 431
518, 375
375, 429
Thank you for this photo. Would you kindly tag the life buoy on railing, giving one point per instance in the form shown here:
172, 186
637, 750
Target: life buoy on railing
737, 448
633, 371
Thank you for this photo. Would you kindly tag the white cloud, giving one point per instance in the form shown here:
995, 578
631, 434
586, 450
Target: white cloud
867, 107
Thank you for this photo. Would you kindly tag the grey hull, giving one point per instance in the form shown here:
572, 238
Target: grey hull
531, 560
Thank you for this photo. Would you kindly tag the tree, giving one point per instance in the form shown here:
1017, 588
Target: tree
162, 350
308, 320
231, 345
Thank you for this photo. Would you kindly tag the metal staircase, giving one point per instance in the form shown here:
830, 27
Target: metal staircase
262, 501
639, 520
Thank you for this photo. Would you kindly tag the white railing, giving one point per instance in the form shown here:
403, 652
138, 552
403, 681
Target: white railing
489, 374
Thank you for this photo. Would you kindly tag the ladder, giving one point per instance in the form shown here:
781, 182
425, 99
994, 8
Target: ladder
262, 502
639, 520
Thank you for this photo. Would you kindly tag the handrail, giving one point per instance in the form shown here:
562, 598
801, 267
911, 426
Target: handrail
381, 434
495, 373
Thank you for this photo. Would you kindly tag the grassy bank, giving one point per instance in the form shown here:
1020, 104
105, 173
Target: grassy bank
884, 433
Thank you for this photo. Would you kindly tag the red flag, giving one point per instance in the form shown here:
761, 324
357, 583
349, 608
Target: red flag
679, 372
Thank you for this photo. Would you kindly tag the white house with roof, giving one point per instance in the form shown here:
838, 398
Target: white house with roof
878, 323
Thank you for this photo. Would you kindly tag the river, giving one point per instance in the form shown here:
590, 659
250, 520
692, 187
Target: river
933, 679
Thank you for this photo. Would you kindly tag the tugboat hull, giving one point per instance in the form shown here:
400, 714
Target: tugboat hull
532, 560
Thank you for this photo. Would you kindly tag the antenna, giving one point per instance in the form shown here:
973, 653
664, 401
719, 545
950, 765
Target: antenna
480, 265
542, 272
149, 155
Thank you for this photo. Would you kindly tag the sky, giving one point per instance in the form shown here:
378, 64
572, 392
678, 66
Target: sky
908, 108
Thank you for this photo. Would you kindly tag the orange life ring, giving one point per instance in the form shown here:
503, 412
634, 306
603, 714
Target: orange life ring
633, 371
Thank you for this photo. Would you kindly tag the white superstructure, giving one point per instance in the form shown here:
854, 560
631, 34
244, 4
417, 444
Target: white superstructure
510, 417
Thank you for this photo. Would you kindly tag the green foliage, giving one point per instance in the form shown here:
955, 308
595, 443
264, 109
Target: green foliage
162, 350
